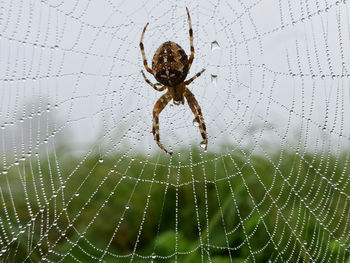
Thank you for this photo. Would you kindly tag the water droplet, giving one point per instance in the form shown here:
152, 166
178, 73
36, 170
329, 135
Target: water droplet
214, 78
214, 45
127, 207
203, 145
100, 160
76, 194
195, 122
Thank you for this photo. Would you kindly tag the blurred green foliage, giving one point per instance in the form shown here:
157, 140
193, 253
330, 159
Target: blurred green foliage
231, 206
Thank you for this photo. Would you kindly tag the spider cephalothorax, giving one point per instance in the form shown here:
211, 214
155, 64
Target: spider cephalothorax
170, 66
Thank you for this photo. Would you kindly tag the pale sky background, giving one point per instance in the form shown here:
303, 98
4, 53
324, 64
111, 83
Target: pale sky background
277, 73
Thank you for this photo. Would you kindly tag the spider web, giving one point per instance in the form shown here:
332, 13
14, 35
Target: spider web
82, 179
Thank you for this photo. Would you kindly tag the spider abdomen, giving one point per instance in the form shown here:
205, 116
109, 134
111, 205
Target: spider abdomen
170, 64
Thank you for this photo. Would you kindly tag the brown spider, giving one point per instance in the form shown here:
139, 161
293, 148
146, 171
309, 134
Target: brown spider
170, 66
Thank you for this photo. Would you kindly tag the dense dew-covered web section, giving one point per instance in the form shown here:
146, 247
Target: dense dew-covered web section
82, 179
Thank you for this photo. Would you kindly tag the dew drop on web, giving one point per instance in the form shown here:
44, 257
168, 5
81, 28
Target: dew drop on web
215, 45
214, 78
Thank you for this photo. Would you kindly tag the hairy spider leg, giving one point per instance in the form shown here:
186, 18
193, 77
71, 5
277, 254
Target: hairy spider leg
194, 77
196, 109
158, 107
152, 85
191, 40
143, 51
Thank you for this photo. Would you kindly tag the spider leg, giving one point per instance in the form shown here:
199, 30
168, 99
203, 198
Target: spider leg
191, 40
196, 109
158, 107
152, 85
143, 51
194, 77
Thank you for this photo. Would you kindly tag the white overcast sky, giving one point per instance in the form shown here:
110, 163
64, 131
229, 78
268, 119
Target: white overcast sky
269, 76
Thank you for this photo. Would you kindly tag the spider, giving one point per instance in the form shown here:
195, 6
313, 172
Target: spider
170, 67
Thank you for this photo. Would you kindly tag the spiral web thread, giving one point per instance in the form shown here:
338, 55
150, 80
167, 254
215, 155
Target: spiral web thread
82, 179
